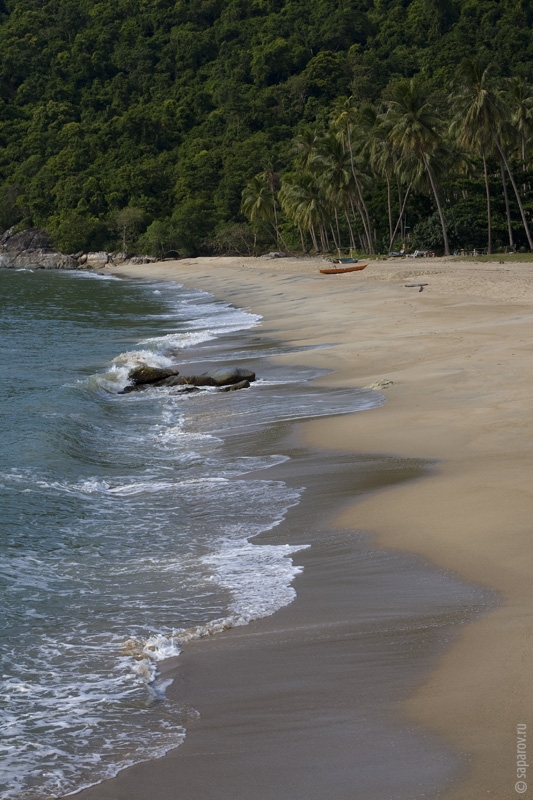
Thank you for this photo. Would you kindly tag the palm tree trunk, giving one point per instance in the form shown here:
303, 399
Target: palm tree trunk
507, 209
489, 219
517, 193
338, 230
362, 237
365, 218
313, 237
275, 225
302, 238
323, 239
401, 204
389, 209
276, 229
524, 187
400, 217
350, 230
335, 241
439, 207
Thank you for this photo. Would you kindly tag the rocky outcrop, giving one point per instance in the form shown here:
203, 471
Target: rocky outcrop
92, 260
31, 249
225, 379
144, 374
100, 259
25, 240
140, 260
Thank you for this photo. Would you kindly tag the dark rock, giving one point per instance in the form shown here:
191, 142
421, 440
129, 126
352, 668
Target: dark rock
30, 239
216, 377
6, 235
189, 380
225, 376
234, 386
225, 379
145, 374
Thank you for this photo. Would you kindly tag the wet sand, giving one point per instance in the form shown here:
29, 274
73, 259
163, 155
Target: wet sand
458, 358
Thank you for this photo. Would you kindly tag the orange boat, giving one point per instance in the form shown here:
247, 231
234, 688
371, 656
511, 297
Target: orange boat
340, 270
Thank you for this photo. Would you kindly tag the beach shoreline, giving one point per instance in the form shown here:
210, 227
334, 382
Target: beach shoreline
456, 355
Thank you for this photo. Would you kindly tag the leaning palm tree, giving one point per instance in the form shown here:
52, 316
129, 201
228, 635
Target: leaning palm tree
504, 135
415, 134
477, 116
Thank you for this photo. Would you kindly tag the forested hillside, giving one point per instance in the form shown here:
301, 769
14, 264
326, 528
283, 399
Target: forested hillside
212, 125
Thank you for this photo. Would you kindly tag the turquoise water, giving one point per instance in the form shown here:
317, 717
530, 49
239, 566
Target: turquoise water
127, 520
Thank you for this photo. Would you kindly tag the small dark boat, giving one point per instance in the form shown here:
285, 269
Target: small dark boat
340, 270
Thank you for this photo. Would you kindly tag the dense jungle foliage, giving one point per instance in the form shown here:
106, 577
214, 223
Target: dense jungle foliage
235, 125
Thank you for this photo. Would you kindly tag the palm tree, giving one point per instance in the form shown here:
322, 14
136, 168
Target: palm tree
503, 135
415, 134
259, 201
477, 116
378, 152
507, 209
273, 180
345, 117
520, 102
301, 200
384, 161
333, 171
305, 146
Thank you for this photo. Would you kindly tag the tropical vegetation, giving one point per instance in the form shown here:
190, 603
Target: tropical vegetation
239, 125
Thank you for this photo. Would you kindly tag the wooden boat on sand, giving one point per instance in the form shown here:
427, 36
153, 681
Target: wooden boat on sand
340, 270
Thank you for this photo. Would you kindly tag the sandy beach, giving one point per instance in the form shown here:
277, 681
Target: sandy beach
454, 364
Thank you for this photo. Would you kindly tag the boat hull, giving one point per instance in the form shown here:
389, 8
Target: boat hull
340, 270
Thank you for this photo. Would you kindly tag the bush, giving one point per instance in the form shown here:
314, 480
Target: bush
71, 231
464, 232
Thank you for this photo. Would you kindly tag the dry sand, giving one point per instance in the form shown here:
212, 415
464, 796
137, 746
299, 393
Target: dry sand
459, 358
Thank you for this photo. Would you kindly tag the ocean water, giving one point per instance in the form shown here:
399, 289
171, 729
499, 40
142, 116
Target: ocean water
127, 521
